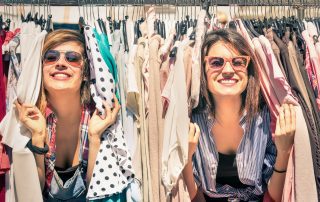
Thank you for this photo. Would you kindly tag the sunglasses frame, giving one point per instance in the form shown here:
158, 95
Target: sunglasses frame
225, 60
64, 53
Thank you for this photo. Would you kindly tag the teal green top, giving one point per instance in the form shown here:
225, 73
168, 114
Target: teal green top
114, 198
104, 48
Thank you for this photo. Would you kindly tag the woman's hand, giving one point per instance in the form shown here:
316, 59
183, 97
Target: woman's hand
98, 124
31, 117
194, 133
285, 128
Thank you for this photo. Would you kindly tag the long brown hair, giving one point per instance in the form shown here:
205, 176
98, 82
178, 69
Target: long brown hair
55, 39
251, 95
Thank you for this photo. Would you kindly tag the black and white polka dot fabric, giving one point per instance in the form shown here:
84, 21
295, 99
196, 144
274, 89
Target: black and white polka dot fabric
112, 171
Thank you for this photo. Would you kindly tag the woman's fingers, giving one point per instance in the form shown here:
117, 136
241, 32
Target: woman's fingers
191, 131
293, 118
287, 117
197, 134
282, 121
17, 104
31, 112
26, 111
107, 110
194, 132
278, 129
116, 108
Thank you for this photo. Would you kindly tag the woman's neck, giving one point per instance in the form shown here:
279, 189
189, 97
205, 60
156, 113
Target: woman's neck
227, 110
67, 108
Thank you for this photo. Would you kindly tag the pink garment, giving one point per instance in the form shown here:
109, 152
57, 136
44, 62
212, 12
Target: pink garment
317, 45
276, 76
312, 29
266, 86
274, 80
312, 65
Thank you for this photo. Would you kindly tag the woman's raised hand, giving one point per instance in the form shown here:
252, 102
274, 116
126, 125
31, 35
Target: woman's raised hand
31, 117
194, 134
98, 124
285, 128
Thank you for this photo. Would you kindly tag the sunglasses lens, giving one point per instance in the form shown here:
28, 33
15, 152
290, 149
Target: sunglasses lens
239, 62
216, 62
73, 58
51, 57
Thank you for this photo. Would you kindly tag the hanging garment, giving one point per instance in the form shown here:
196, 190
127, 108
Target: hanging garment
307, 137
297, 73
104, 48
289, 193
155, 121
275, 48
166, 92
2, 114
141, 56
132, 100
312, 66
114, 198
14, 134
196, 59
13, 73
2, 81
113, 169
164, 57
176, 126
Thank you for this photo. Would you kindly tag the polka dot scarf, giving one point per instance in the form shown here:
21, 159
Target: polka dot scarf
112, 171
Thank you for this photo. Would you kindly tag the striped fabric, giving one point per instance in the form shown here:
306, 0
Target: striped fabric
255, 158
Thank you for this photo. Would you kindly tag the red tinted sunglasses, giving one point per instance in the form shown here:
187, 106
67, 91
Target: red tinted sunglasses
238, 63
73, 58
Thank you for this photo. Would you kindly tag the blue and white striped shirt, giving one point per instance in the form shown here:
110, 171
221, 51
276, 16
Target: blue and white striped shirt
255, 158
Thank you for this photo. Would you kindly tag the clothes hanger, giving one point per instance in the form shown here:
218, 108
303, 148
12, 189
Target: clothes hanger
124, 32
135, 27
49, 19
100, 21
193, 24
252, 33
174, 50
117, 23
81, 21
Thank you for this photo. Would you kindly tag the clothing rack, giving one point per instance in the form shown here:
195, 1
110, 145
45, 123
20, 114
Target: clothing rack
295, 3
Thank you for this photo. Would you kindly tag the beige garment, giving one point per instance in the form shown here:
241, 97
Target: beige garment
175, 145
297, 73
142, 122
304, 179
187, 60
133, 93
164, 71
155, 118
26, 183
196, 58
164, 57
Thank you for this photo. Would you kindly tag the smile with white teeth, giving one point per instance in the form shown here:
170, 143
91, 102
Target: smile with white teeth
228, 81
60, 76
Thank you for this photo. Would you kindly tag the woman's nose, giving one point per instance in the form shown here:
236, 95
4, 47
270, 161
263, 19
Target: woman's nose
61, 62
227, 68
